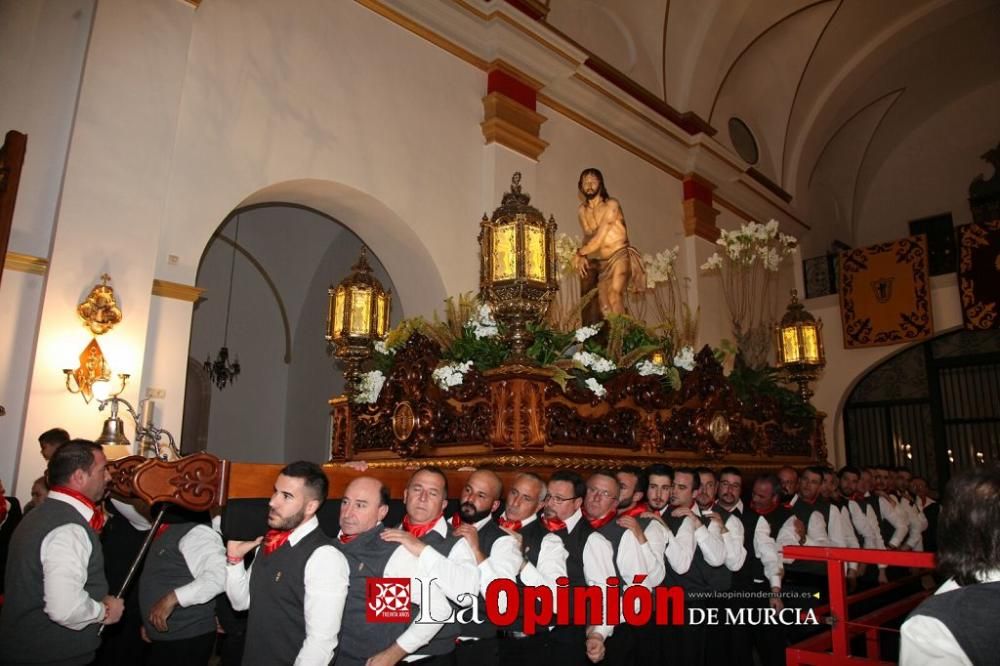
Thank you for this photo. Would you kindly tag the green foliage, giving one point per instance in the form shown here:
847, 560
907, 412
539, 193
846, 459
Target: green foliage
549, 344
766, 382
485, 353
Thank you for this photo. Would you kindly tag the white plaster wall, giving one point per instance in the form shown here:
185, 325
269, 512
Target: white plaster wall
335, 93
929, 173
164, 354
110, 206
844, 367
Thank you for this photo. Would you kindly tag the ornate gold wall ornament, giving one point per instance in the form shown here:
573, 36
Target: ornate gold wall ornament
99, 311
93, 368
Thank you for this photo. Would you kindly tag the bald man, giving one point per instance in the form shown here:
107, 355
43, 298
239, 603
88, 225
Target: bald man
364, 507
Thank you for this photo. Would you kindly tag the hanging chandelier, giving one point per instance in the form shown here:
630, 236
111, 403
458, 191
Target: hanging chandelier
221, 371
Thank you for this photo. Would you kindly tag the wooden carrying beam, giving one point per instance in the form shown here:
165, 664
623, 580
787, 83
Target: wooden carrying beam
197, 482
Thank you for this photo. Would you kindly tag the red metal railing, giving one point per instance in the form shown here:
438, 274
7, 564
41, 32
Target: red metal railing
833, 646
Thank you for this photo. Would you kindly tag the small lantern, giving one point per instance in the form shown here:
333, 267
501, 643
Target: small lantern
517, 266
800, 346
357, 315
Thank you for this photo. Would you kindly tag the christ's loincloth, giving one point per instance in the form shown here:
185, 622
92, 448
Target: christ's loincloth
625, 261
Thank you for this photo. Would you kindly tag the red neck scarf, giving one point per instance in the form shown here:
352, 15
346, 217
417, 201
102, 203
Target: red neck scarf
637, 510
774, 505
505, 522
3, 508
456, 519
553, 524
598, 523
857, 497
160, 530
807, 501
96, 518
275, 539
346, 538
418, 529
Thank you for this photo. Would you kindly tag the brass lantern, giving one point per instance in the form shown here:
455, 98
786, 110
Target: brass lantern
357, 316
800, 346
517, 266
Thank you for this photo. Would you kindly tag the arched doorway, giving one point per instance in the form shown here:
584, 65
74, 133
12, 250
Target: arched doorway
933, 407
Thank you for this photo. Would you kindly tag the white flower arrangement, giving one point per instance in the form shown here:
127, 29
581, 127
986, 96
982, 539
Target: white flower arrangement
381, 348
586, 332
647, 368
369, 387
596, 387
594, 362
660, 267
450, 374
566, 247
482, 323
684, 359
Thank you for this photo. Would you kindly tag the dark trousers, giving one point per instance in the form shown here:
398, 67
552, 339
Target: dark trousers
482, 652
769, 641
436, 660
195, 651
561, 645
619, 649
686, 643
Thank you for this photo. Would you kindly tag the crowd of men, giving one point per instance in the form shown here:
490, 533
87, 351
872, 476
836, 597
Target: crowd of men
716, 535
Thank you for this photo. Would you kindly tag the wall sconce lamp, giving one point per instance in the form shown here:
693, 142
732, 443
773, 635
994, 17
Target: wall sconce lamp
93, 368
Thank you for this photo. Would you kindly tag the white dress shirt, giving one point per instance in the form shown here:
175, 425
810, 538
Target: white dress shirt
551, 565
765, 547
598, 567
927, 641
205, 557
138, 521
736, 552
917, 523
646, 559
900, 522
64, 554
709, 540
817, 533
326, 580
457, 574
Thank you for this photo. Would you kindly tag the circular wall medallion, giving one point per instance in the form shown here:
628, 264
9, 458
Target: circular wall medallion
743, 140
403, 421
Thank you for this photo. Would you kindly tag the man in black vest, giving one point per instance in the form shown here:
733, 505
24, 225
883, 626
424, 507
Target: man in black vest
497, 553
926, 505
757, 584
957, 625
372, 641
56, 591
841, 528
638, 544
863, 522
659, 481
443, 556
590, 562
184, 571
789, 478
296, 587
699, 565
544, 561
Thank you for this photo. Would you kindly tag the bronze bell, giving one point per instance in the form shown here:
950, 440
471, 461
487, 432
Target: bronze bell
113, 433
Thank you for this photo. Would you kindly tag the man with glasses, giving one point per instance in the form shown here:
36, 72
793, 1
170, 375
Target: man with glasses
590, 561
544, 562
638, 544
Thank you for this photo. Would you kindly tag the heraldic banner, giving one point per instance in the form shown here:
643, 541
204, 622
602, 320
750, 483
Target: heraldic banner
979, 274
885, 293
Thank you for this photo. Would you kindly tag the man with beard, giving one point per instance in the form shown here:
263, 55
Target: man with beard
659, 481
442, 555
56, 591
638, 544
590, 562
362, 510
496, 552
605, 235
789, 478
297, 584
863, 520
704, 553
544, 562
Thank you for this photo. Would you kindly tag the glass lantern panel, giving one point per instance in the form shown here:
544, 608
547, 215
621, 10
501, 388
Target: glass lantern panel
790, 344
381, 305
810, 344
338, 313
534, 253
504, 252
361, 308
